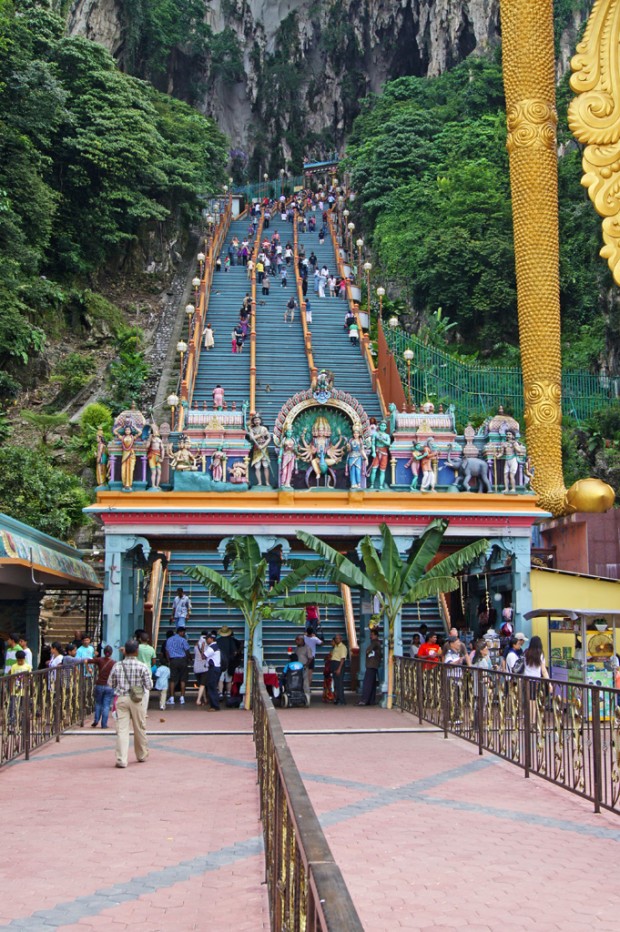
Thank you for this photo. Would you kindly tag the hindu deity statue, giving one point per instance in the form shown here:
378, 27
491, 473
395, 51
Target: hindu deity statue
218, 465
357, 458
128, 455
320, 452
428, 459
510, 450
260, 438
380, 443
102, 457
287, 459
183, 460
413, 463
154, 455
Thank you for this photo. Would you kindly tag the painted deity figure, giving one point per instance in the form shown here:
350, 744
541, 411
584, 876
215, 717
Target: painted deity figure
510, 450
102, 457
154, 456
428, 458
320, 452
357, 458
128, 456
260, 438
218, 466
287, 459
183, 459
413, 463
380, 449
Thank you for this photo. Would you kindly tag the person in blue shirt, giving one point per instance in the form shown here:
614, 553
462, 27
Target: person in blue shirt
177, 652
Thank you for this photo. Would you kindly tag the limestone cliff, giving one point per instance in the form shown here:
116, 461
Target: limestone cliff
306, 64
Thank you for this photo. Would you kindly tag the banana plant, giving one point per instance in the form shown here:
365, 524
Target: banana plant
246, 588
396, 581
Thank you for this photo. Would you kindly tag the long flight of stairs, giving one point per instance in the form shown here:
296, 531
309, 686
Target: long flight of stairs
331, 346
220, 365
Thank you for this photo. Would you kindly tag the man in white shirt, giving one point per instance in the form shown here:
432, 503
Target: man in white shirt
213, 658
181, 609
312, 642
23, 643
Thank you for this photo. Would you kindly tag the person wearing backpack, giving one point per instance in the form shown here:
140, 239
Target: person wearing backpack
130, 679
514, 660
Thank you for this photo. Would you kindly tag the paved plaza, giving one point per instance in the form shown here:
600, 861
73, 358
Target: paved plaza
428, 834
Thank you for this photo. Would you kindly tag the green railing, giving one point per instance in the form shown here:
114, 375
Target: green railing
475, 389
269, 188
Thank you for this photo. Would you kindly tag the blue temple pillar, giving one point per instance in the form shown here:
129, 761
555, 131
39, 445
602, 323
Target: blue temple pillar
520, 547
123, 598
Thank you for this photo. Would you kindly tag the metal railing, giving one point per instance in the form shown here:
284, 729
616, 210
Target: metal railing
37, 707
567, 733
475, 388
305, 886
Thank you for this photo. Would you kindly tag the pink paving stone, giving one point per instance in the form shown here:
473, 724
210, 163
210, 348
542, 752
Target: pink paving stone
98, 826
446, 855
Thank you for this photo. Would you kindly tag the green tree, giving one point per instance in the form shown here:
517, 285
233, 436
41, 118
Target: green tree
247, 589
44, 424
394, 581
36, 491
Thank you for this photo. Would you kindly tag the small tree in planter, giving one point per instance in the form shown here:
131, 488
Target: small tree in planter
247, 589
394, 581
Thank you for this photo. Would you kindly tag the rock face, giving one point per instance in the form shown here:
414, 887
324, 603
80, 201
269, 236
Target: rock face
306, 64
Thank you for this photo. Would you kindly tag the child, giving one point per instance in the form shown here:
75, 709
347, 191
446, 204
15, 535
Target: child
162, 678
226, 263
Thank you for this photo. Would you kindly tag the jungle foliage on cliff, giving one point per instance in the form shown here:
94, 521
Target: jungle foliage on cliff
429, 164
89, 158
94, 165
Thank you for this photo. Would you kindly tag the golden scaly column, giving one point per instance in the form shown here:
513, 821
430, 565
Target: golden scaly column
529, 83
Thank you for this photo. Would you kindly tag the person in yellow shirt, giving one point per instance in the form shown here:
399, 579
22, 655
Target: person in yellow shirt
17, 686
338, 660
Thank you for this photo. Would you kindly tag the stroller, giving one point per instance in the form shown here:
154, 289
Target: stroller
293, 686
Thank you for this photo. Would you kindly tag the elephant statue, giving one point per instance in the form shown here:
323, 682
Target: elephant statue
471, 467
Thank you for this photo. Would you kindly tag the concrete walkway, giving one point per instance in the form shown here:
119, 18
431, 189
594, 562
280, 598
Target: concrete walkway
174, 844
429, 835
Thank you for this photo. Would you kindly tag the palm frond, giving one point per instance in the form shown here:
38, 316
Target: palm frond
338, 567
300, 572
373, 567
425, 588
455, 562
297, 616
390, 558
217, 584
423, 551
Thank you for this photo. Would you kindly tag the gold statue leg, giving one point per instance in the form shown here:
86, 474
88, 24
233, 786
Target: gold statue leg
529, 83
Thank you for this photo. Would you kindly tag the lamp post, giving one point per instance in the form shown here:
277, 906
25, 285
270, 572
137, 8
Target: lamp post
282, 174
350, 228
196, 286
189, 310
265, 179
360, 245
182, 349
367, 269
173, 402
381, 296
210, 222
201, 262
345, 220
408, 356
393, 323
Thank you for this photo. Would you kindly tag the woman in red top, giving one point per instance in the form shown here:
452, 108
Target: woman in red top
430, 651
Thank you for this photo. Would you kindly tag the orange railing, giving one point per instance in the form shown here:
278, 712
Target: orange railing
302, 306
257, 242
364, 338
188, 376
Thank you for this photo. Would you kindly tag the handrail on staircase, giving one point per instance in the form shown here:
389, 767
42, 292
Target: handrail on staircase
302, 306
354, 307
349, 618
155, 596
444, 611
213, 247
257, 242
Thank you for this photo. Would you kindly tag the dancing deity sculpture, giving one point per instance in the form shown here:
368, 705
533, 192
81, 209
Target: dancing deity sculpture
380, 450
